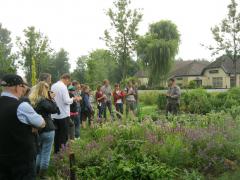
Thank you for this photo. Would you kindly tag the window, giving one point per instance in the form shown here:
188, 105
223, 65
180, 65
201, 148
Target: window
217, 82
180, 78
213, 71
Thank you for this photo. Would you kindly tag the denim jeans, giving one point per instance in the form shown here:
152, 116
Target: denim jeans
46, 141
119, 109
108, 105
77, 122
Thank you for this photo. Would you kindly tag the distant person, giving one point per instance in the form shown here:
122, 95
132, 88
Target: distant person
107, 91
101, 105
77, 120
86, 107
41, 99
118, 96
18, 124
173, 97
73, 113
63, 102
46, 77
130, 99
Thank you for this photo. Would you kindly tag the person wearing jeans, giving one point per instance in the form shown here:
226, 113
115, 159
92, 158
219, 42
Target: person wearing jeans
42, 101
118, 96
107, 91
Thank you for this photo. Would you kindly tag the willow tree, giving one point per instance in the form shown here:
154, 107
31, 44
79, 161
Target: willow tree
158, 48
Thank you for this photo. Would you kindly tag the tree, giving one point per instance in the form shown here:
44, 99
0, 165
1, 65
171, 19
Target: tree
79, 73
7, 58
36, 46
101, 65
157, 50
123, 37
227, 36
60, 64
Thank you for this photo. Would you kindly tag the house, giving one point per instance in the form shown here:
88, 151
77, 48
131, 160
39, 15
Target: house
217, 74
220, 73
185, 72
142, 77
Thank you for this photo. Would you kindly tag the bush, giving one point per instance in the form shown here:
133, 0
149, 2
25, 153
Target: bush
197, 101
149, 98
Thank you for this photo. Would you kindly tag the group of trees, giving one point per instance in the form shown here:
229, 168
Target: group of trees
156, 50
34, 55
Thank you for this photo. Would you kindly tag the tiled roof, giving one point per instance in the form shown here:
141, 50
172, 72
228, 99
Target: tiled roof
189, 68
225, 63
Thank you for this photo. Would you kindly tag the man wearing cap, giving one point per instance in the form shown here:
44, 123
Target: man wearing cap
17, 141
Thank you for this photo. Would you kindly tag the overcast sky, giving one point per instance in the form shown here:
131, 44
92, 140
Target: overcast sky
76, 25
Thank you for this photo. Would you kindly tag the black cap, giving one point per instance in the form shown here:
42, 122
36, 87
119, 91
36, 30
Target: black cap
12, 80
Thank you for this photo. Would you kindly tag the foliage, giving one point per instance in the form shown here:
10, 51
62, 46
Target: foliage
59, 64
80, 72
158, 48
227, 35
122, 37
33, 80
34, 45
186, 147
7, 58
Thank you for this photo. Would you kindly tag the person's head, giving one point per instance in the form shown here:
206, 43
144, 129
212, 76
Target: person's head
66, 79
41, 90
71, 89
86, 89
45, 77
99, 88
14, 84
117, 87
77, 85
106, 82
171, 82
129, 84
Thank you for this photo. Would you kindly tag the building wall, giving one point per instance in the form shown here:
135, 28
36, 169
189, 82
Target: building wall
219, 73
143, 81
185, 80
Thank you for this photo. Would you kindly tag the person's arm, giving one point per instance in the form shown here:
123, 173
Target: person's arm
65, 96
177, 93
27, 115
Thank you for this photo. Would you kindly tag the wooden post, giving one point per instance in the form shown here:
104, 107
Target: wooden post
72, 164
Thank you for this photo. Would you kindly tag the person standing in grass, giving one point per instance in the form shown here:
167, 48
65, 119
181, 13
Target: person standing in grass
77, 120
118, 96
73, 113
130, 99
173, 98
100, 98
107, 91
86, 108
63, 102
42, 101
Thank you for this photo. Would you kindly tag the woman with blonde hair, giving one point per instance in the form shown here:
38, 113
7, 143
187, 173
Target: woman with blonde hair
41, 99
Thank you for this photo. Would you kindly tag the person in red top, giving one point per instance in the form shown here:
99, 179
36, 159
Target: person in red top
101, 103
118, 96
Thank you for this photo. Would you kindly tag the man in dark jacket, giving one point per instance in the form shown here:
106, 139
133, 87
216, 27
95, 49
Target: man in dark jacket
17, 120
173, 97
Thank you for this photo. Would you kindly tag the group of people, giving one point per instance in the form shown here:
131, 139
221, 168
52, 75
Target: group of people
33, 119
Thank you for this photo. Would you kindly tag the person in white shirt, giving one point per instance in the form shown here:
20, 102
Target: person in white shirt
61, 120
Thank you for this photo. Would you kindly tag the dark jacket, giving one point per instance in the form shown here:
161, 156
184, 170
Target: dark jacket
73, 106
46, 107
17, 142
85, 104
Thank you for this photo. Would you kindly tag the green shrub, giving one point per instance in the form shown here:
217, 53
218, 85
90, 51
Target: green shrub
149, 98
